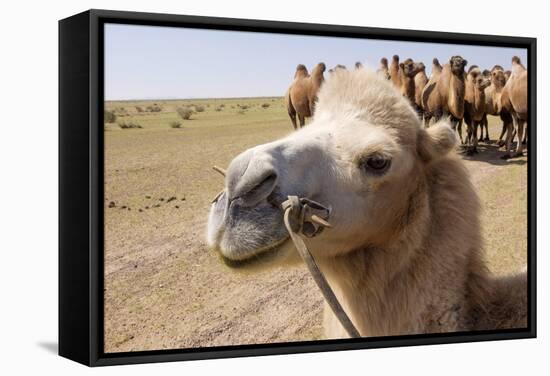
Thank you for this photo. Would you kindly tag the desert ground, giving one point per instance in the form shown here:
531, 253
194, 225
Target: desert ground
164, 289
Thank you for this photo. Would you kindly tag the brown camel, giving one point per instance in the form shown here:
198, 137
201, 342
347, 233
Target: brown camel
302, 94
420, 81
384, 71
514, 100
492, 101
429, 87
408, 71
474, 105
446, 97
395, 76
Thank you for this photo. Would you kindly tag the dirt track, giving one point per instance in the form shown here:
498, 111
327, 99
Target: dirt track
165, 290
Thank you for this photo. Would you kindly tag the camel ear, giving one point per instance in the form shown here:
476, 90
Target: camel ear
436, 141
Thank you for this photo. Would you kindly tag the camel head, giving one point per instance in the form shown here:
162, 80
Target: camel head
498, 78
301, 71
421, 67
384, 63
410, 68
457, 64
476, 77
319, 69
436, 66
364, 155
517, 66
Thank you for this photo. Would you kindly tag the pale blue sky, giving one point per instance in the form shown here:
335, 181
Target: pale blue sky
153, 62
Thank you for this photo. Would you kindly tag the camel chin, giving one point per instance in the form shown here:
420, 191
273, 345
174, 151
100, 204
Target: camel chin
244, 236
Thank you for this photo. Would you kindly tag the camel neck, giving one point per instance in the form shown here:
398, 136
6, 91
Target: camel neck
378, 286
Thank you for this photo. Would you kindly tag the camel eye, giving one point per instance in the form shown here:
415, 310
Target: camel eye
375, 164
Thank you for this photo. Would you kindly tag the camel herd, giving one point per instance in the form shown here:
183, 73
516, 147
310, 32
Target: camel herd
451, 91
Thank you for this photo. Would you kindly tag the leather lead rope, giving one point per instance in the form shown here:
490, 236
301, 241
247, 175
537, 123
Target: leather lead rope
309, 218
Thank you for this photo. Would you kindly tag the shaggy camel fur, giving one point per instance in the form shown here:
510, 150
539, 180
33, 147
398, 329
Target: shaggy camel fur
446, 96
383, 70
302, 94
395, 75
420, 82
492, 102
474, 105
404, 254
514, 100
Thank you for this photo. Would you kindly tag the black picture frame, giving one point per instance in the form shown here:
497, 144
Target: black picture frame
81, 186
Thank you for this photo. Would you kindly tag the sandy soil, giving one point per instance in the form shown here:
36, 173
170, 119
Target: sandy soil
164, 289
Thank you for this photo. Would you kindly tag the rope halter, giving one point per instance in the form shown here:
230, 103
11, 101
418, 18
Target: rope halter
308, 218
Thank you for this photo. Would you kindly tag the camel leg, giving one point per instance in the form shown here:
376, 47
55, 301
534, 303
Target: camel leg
519, 149
510, 133
427, 119
502, 133
302, 120
293, 120
475, 140
524, 142
506, 118
484, 124
458, 127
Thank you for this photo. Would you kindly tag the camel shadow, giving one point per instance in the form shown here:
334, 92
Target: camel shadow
51, 347
491, 153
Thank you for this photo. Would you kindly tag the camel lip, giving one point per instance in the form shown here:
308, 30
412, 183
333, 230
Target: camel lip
262, 255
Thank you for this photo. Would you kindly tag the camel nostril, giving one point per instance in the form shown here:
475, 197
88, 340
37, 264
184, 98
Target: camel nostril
259, 191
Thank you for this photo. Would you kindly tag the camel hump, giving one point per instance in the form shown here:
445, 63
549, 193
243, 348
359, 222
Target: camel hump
301, 72
473, 67
516, 60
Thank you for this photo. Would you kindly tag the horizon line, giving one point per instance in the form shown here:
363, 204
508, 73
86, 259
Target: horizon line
189, 98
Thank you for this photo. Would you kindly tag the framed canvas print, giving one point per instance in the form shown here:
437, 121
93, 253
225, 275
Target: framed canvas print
236, 187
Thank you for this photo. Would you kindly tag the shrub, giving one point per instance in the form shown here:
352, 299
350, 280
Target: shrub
129, 125
175, 124
109, 116
219, 108
184, 112
243, 107
222, 105
265, 105
199, 108
139, 109
241, 112
154, 108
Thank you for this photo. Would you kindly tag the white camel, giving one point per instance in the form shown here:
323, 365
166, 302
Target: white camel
404, 254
